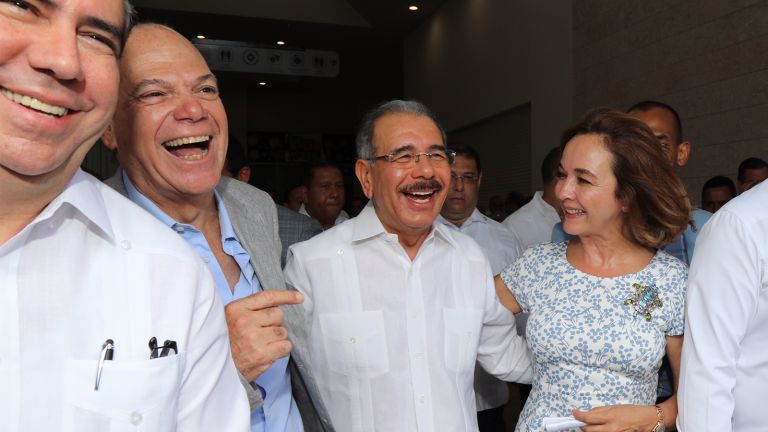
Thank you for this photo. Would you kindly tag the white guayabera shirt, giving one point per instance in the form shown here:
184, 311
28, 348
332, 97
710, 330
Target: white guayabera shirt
393, 342
91, 267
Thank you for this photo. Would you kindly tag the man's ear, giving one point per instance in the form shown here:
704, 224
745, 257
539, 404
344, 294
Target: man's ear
363, 172
479, 179
244, 175
108, 138
683, 153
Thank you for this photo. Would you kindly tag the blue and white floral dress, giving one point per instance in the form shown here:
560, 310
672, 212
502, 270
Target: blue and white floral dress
590, 346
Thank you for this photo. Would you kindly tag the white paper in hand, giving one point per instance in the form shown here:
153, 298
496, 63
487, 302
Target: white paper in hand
555, 424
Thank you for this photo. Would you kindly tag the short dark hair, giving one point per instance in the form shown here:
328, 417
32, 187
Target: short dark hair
309, 172
129, 19
750, 163
468, 152
550, 165
364, 138
718, 181
648, 105
658, 205
235, 155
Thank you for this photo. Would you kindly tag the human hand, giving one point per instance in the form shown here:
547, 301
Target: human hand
256, 334
618, 418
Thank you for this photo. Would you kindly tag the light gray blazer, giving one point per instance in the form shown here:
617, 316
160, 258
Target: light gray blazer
254, 218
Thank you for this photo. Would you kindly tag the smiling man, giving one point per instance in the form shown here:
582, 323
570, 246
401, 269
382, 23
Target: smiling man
85, 273
398, 308
170, 133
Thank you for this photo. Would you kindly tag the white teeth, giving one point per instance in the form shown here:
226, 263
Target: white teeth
186, 140
35, 104
421, 193
195, 157
574, 212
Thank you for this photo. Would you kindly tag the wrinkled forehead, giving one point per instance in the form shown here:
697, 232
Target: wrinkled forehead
157, 52
405, 130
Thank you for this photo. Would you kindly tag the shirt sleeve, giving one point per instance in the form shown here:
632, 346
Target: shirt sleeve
676, 283
502, 352
722, 296
210, 385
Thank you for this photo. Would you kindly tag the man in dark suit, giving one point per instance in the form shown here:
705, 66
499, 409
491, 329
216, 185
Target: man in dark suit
170, 134
293, 227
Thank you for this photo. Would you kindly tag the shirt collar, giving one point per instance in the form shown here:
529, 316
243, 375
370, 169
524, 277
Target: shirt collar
227, 231
368, 225
82, 193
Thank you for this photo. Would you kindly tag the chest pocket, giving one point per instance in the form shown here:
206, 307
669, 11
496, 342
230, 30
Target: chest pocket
462, 335
133, 395
355, 343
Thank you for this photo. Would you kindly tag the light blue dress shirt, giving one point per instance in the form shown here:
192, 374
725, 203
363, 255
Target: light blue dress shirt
279, 412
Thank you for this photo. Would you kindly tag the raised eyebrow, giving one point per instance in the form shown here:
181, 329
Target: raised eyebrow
148, 83
107, 27
402, 149
584, 171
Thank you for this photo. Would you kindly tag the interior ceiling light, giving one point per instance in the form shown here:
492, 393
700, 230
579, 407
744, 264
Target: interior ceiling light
262, 83
281, 42
200, 37
413, 7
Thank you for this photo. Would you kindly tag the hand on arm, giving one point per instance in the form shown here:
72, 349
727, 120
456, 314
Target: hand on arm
256, 334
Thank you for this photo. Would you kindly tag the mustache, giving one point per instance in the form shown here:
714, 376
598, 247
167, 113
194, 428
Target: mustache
422, 186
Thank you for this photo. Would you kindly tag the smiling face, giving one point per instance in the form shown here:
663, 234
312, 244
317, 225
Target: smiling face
586, 188
58, 82
464, 191
170, 125
407, 197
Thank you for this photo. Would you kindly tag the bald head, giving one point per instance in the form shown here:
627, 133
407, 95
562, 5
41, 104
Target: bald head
170, 128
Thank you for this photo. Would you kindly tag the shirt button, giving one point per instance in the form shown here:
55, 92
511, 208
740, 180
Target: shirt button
179, 228
125, 244
352, 340
340, 252
136, 418
422, 399
206, 259
418, 356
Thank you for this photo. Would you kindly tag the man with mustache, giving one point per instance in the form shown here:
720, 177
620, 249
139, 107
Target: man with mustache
398, 307
87, 279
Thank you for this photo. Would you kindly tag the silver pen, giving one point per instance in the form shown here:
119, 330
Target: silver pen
107, 351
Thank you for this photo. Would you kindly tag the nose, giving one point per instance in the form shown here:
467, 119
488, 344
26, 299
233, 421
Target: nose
457, 183
56, 52
189, 108
564, 188
422, 167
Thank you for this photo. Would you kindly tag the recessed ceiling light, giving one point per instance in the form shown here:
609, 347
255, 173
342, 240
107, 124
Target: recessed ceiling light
281, 42
200, 37
413, 7
262, 83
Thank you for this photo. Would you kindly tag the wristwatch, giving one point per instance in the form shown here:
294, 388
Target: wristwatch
660, 424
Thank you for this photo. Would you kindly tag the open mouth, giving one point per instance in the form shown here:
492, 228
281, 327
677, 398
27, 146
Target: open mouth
574, 212
35, 104
420, 196
189, 148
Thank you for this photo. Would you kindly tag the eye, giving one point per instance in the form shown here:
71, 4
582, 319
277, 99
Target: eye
560, 174
101, 39
21, 4
403, 157
210, 90
582, 180
437, 156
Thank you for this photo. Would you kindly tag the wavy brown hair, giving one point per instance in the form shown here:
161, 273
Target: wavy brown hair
657, 202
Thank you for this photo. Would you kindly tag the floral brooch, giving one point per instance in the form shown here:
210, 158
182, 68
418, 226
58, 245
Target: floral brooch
644, 300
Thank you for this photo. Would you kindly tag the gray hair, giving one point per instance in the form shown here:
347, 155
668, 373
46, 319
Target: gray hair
364, 139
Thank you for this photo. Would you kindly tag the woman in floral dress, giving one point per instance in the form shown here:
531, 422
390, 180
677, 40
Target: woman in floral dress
607, 305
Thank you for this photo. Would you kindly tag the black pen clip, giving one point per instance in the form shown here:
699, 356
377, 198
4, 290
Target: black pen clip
107, 352
162, 350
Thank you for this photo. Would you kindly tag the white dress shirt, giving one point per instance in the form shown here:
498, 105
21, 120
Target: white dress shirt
501, 247
724, 372
533, 222
343, 215
91, 267
393, 342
